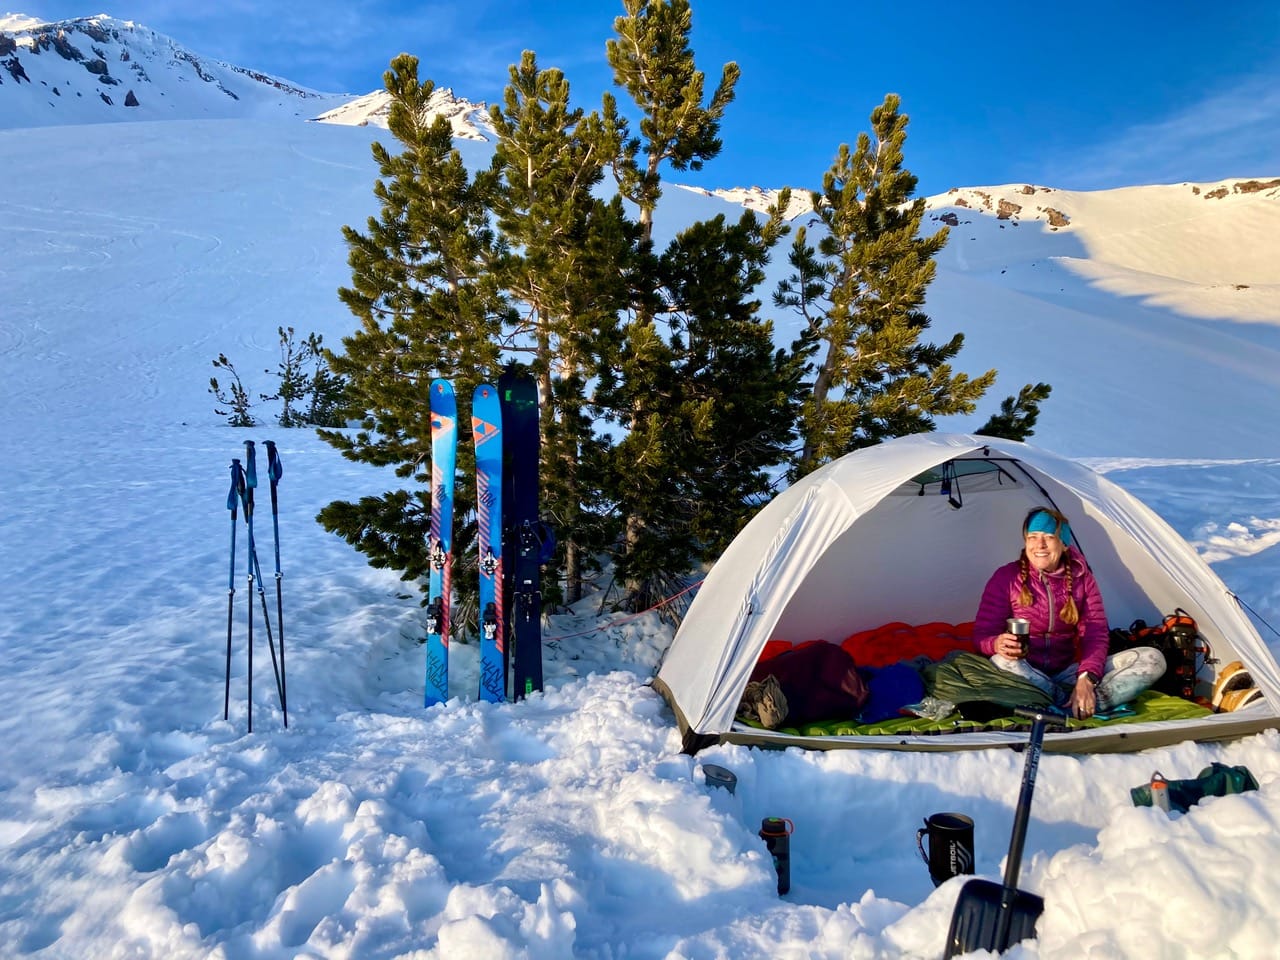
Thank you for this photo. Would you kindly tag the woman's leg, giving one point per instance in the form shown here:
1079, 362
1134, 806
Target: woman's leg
1129, 672
1020, 668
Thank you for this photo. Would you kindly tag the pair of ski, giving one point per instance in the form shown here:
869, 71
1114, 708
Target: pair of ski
506, 497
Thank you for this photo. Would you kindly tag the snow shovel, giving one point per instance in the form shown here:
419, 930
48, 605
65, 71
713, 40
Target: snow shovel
989, 915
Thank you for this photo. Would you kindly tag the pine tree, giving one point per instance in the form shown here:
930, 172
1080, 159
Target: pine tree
426, 295
291, 372
565, 264
700, 393
720, 402
653, 62
861, 292
324, 390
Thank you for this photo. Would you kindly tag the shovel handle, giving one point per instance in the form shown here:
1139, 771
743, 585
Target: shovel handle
1022, 815
1050, 717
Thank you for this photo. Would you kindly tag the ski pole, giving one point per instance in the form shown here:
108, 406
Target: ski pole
255, 568
262, 597
246, 496
276, 668
275, 470
237, 481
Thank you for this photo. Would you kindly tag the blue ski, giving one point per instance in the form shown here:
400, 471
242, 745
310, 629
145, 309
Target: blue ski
486, 431
444, 456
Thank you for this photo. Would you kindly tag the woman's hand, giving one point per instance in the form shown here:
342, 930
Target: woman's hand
1007, 645
1084, 700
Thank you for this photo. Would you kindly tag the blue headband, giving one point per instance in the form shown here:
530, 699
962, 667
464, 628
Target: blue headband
1044, 522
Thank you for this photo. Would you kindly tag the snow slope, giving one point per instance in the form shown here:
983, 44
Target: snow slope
264, 202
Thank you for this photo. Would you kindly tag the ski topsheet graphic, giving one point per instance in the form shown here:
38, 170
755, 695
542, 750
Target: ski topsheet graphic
444, 454
486, 431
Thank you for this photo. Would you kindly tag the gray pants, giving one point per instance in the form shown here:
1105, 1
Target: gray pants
1127, 674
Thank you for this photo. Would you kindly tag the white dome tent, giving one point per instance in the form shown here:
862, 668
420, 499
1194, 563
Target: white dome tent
910, 530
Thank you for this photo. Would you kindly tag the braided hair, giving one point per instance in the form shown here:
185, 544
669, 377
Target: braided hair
1068, 613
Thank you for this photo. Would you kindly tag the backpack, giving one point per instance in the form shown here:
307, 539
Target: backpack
1178, 638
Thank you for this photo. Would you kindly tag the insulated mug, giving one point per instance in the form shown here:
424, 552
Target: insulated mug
950, 845
1021, 629
717, 776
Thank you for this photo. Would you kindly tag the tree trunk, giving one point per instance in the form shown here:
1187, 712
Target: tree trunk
821, 389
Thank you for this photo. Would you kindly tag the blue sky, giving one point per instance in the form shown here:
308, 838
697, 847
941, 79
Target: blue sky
1087, 95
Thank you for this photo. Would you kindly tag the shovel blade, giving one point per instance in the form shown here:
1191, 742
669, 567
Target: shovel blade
975, 924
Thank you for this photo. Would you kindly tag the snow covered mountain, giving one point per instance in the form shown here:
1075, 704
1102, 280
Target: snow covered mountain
100, 69
469, 120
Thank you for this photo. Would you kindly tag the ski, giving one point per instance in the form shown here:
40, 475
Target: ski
523, 532
486, 432
444, 452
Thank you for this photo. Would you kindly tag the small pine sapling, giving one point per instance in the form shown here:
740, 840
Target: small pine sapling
292, 376
326, 391
236, 397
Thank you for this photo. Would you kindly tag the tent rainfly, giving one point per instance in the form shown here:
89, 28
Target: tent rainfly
910, 530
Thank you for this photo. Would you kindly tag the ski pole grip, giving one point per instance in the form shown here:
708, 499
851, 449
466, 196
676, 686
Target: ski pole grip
251, 464
275, 469
234, 493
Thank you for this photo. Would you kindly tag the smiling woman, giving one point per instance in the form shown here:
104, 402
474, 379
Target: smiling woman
1065, 650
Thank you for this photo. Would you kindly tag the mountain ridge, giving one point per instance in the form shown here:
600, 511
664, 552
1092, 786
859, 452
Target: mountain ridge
48, 55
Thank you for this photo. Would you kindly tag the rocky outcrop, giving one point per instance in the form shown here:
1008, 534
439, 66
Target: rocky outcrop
97, 31
1239, 186
276, 82
1006, 209
14, 66
64, 47
1254, 186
